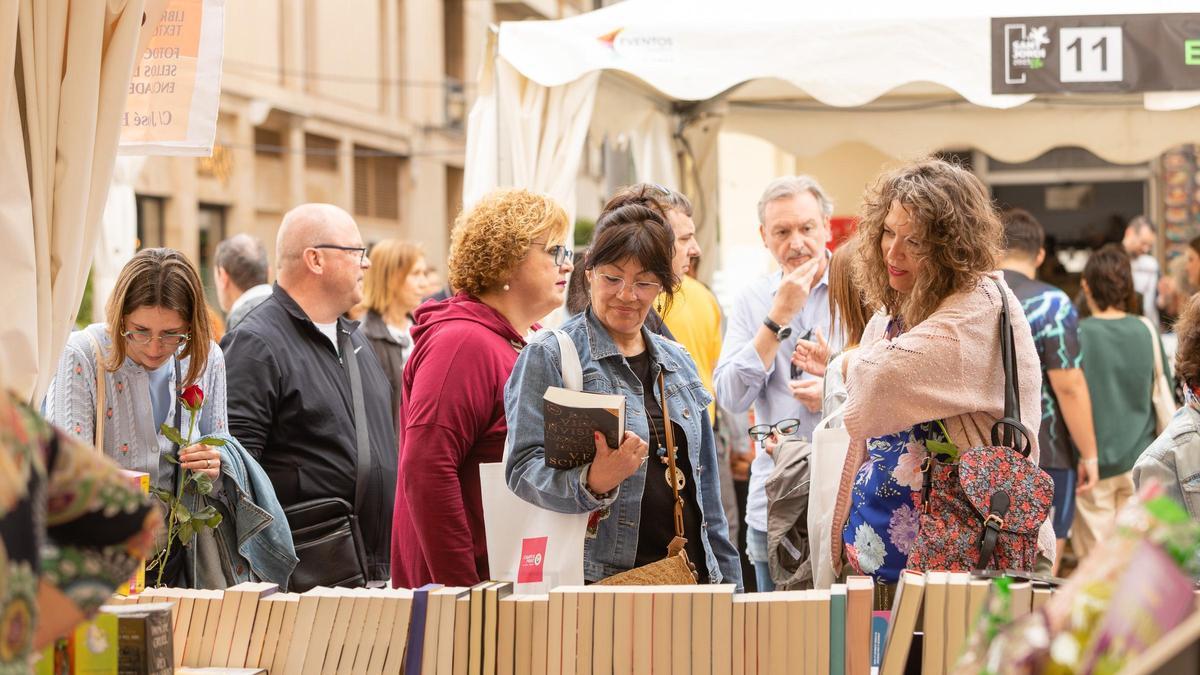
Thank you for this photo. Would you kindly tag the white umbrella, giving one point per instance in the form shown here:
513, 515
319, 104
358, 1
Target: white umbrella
60, 107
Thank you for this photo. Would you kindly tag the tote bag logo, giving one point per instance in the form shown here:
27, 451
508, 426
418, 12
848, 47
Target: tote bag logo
533, 557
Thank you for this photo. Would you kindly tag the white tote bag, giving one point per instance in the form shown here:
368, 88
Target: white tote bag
825, 467
536, 548
1160, 393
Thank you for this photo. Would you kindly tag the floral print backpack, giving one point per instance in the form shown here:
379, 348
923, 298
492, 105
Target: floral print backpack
984, 510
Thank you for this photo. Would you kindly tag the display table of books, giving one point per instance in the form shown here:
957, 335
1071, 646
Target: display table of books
591, 630
1130, 607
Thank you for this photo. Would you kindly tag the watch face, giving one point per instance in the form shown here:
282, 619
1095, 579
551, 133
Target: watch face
784, 333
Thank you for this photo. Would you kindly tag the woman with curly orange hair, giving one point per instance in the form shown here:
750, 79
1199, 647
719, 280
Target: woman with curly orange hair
510, 262
928, 369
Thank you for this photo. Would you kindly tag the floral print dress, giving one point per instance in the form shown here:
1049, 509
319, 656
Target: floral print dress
67, 517
885, 502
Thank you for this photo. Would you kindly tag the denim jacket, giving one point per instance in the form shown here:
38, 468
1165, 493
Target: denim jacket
253, 541
1174, 460
614, 546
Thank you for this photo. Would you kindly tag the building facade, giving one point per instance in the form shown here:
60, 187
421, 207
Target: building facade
359, 103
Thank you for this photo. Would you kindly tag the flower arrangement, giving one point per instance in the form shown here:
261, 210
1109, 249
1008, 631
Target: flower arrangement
182, 523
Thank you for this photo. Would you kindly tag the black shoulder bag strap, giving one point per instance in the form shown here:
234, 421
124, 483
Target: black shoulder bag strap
361, 434
1008, 432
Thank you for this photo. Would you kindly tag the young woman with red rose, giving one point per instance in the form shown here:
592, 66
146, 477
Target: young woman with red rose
155, 349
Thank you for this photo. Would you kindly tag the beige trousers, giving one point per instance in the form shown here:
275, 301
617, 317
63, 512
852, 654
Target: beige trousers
1096, 511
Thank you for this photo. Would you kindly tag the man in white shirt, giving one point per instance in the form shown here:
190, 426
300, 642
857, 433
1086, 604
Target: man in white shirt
1139, 240
240, 270
770, 316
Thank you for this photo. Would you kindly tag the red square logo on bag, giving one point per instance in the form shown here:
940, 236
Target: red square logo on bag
533, 556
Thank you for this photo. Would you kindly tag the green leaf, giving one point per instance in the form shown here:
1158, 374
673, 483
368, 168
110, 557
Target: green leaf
214, 442
204, 484
1167, 510
205, 513
172, 435
164, 496
186, 532
171, 458
943, 448
182, 514
214, 521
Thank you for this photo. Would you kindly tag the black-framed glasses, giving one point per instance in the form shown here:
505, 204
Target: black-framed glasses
561, 253
168, 340
788, 427
362, 250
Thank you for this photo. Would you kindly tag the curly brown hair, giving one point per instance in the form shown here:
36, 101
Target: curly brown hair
492, 237
957, 229
1108, 278
1187, 354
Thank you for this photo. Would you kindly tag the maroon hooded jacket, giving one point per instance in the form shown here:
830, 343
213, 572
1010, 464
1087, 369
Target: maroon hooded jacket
451, 421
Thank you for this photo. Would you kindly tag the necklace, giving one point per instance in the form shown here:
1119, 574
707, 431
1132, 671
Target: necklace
675, 477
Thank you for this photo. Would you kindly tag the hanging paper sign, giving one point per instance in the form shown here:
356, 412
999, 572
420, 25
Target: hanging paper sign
1097, 54
172, 104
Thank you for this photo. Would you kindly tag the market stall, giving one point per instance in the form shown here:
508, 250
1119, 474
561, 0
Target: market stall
1012, 80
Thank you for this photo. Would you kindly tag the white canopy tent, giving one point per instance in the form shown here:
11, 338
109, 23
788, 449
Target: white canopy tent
906, 78
64, 74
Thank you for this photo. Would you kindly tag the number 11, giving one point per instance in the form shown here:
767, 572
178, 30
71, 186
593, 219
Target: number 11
1101, 44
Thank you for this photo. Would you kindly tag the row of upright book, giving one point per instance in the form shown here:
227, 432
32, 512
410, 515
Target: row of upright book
592, 630
585, 630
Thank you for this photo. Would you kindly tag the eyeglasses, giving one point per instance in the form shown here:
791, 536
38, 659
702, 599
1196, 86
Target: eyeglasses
168, 340
645, 290
788, 427
561, 253
362, 250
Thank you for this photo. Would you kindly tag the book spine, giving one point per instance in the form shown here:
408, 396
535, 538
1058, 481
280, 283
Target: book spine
879, 629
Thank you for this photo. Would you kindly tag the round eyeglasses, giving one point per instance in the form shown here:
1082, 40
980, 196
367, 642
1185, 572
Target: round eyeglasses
168, 340
788, 427
645, 290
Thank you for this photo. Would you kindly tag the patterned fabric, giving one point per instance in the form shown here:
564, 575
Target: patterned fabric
959, 496
1055, 326
885, 502
67, 516
130, 437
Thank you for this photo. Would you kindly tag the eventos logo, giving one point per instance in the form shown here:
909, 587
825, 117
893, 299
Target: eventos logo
632, 43
533, 558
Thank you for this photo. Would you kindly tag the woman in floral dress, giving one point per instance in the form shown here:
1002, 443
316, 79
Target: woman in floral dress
927, 376
72, 529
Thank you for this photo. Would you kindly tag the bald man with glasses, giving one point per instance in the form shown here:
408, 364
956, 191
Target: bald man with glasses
309, 401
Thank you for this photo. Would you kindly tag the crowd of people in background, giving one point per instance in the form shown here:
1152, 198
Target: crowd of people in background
357, 398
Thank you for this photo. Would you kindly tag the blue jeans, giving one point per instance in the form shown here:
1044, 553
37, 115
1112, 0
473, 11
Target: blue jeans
756, 550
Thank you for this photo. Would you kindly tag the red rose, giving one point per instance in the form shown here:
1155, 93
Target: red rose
192, 397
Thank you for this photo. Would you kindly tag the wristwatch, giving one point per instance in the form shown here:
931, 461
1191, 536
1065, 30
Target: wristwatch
781, 332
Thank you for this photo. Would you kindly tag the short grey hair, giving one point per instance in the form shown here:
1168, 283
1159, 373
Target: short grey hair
785, 187
244, 259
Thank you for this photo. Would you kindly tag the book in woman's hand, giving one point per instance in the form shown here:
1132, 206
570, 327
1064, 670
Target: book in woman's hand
573, 417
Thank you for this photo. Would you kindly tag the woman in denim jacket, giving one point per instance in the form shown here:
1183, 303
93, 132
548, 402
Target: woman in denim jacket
625, 488
1173, 459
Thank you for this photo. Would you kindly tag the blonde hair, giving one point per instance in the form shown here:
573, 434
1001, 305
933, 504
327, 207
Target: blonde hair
391, 262
161, 277
958, 233
848, 310
492, 238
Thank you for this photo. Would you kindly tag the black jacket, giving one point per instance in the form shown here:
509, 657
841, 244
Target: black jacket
390, 353
291, 406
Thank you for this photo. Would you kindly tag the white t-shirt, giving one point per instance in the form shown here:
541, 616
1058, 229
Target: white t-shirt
330, 331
